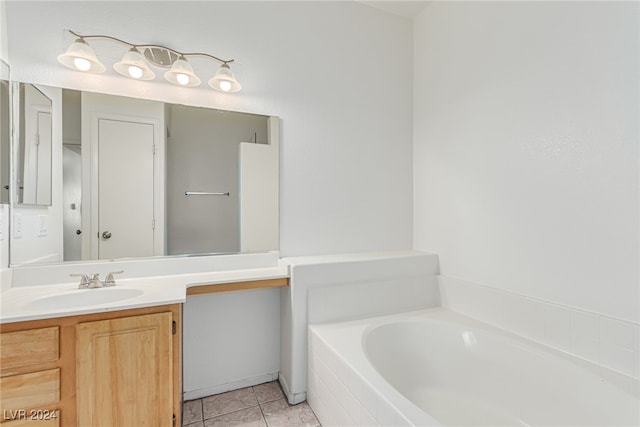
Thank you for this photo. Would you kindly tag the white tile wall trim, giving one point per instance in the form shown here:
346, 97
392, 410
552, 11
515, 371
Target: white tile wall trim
331, 288
604, 340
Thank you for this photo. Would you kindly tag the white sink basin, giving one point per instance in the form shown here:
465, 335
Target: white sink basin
82, 297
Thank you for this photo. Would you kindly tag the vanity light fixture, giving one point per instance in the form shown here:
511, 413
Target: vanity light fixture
81, 57
224, 80
135, 63
181, 73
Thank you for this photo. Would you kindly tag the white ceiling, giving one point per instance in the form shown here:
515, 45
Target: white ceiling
407, 9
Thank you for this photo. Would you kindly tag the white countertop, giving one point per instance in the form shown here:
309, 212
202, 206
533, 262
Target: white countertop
39, 302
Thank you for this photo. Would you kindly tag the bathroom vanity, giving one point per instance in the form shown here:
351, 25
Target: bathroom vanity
106, 356
87, 369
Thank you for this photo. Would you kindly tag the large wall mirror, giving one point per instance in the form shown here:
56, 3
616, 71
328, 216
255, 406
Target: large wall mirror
141, 178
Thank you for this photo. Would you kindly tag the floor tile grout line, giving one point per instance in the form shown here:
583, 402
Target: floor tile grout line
232, 412
258, 404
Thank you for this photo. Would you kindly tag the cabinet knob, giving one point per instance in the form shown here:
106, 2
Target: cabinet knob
106, 234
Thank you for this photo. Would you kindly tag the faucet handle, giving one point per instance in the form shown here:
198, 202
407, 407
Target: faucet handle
84, 281
109, 280
94, 281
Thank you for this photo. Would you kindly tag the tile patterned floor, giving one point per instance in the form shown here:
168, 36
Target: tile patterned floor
263, 405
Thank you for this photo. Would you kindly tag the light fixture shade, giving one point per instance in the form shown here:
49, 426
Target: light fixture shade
134, 66
181, 74
79, 56
224, 80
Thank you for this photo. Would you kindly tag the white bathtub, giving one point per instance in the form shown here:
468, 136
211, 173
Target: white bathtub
436, 367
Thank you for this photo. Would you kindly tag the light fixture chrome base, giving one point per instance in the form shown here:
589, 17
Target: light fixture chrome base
160, 57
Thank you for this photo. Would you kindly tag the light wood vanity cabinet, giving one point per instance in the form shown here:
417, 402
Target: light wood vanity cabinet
120, 368
123, 368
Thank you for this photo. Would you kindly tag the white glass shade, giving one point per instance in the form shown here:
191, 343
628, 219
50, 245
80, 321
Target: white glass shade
224, 80
79, 56
181, 74
134, 66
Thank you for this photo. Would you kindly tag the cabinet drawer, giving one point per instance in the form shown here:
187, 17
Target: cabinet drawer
24, 348
32, 419
28, 391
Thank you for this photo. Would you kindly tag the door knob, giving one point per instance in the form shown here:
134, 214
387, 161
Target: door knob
106, 234
78, 232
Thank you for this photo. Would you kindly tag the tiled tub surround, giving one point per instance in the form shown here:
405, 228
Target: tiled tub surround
437, 367
339, 287
262, 405
612, 343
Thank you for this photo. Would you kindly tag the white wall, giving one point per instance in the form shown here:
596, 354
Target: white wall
526, 148
4, 40
231, 340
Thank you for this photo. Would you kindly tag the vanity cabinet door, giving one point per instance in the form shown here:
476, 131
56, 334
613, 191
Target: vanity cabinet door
124, 371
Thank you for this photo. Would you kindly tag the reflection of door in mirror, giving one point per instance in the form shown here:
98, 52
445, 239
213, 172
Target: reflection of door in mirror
34, 180
125, 183
122, 146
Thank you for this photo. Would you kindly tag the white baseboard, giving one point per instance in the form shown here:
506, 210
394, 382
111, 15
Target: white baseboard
292, 398
234, 385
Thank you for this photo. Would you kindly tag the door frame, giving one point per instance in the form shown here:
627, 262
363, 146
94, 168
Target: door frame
90, 240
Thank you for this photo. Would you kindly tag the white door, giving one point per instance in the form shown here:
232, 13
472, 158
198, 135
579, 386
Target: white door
125, 189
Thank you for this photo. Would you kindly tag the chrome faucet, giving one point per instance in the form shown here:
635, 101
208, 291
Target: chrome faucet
93, 280
109, 280
84, 280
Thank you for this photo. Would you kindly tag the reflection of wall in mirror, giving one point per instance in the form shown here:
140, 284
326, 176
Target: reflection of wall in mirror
72, 197
4, 210
4, 140
71, 175
202, 155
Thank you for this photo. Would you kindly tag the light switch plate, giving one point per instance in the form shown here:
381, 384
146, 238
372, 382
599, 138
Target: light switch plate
43, 225
17, 226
